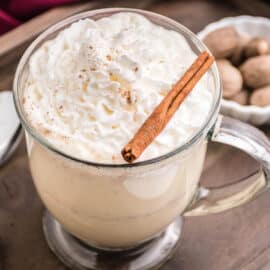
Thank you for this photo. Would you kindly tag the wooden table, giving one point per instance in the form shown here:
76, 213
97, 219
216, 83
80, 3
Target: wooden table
234, 240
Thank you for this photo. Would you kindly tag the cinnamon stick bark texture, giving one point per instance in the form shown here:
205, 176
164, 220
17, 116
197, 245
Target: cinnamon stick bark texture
162, 114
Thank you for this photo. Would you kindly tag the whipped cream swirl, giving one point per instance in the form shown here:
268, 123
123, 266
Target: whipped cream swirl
91, 87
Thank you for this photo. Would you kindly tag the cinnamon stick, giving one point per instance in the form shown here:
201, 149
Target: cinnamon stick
162, 114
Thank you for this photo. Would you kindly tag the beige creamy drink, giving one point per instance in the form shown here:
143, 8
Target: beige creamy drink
89, 90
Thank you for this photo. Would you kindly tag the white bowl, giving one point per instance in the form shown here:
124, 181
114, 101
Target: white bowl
253, 26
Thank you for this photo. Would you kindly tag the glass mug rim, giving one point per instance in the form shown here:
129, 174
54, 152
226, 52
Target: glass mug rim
109, 11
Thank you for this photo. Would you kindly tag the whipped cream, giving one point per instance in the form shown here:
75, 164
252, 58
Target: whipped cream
90, 88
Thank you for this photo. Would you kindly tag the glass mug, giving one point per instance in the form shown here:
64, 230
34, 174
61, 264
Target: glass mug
128, 216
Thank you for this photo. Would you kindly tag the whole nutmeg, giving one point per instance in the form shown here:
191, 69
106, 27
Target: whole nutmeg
256, 46
256, 71
261, 96
238, 55
241, 97
222, 42
231, 78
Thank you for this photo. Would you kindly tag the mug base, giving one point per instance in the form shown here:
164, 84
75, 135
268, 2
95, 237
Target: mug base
79, 256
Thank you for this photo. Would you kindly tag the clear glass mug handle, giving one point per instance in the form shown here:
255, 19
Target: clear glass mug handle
250, 140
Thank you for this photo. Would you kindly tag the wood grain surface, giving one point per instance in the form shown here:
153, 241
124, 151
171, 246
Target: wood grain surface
234, 240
